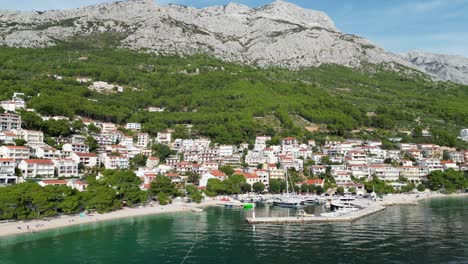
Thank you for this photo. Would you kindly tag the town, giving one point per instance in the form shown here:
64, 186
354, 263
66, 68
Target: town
100, 145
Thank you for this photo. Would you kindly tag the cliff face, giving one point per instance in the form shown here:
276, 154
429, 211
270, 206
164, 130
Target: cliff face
446, 67
279, 34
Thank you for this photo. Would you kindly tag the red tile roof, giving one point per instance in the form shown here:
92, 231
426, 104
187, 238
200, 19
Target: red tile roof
54, 182
39, 161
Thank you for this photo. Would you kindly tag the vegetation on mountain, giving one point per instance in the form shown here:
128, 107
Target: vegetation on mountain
227, 102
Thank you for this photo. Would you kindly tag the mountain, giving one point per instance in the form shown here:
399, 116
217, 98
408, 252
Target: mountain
279, 34
446, 67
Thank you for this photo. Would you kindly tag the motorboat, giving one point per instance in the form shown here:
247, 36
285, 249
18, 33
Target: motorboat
343, 202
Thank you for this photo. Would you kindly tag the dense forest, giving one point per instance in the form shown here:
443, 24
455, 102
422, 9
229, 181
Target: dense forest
232, 103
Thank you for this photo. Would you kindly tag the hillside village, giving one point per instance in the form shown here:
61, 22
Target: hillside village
25, 155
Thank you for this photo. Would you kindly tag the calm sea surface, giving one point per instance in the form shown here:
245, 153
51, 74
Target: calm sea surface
434, 232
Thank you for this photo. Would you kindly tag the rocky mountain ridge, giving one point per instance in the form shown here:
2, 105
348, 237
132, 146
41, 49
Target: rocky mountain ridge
279, 34
446, 67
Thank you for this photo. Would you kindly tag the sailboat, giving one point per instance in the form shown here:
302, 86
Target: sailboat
288, 201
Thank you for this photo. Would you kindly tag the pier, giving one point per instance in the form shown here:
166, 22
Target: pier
317, 219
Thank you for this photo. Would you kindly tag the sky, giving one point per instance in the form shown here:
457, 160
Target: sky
439, 26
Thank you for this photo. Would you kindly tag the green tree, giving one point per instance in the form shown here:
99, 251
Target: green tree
163, 199
215, 187
19, 141
193, 178
163, 184
258, 187
161, 151
421, 187
228, 170
194, 194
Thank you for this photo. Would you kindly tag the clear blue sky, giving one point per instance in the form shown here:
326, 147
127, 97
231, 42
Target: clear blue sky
398, 25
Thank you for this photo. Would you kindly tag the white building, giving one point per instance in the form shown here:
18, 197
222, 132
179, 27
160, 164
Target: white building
107, 128
414, 174
31, 136
133, 126
14, 152
46, 152
143, 140
116, 162
10, 122
464, 134
13, 106
385, 172
214, 174
69, 148
87, 159
260, 142
31, 168
164, 138
227, 150
66, 167
7, 171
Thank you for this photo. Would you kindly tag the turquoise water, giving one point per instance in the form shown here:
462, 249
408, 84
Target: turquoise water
434, 232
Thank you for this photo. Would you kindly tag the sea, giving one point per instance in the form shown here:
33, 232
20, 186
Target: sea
436, 231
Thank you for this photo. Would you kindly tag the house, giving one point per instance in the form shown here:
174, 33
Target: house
274, 172
7, 171
164, 138
251, 178
456, 156
31, 136
263, 177
415, 153
172, 160
116, 162
143, 140
10, 122
74, 184
31, 168
46, 152
414, 174
14, 152
431, 164
66, 167
175, 177
211, 175
107, 128
316, 182
448, 164
227, 150
317, 169
356, 157
87, 159
8, 137
152, 162
68, 148
183, 167
133, 126
385, 172
13, 105
260, 142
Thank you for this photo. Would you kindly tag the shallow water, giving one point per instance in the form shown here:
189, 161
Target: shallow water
434, 232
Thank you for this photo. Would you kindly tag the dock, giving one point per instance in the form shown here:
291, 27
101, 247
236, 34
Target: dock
316, 219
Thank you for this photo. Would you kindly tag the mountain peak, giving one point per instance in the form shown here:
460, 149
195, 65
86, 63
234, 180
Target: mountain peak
283, 10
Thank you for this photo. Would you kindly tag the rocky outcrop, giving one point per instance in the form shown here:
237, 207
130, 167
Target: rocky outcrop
446, 67
279, 34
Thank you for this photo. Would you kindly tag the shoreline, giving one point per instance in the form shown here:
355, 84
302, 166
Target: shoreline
39, 225
8, 229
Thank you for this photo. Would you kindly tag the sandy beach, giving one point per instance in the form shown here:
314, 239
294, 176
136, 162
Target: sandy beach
38, 225
21, 227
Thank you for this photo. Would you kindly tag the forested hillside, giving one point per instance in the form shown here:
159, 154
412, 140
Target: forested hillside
228, 102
